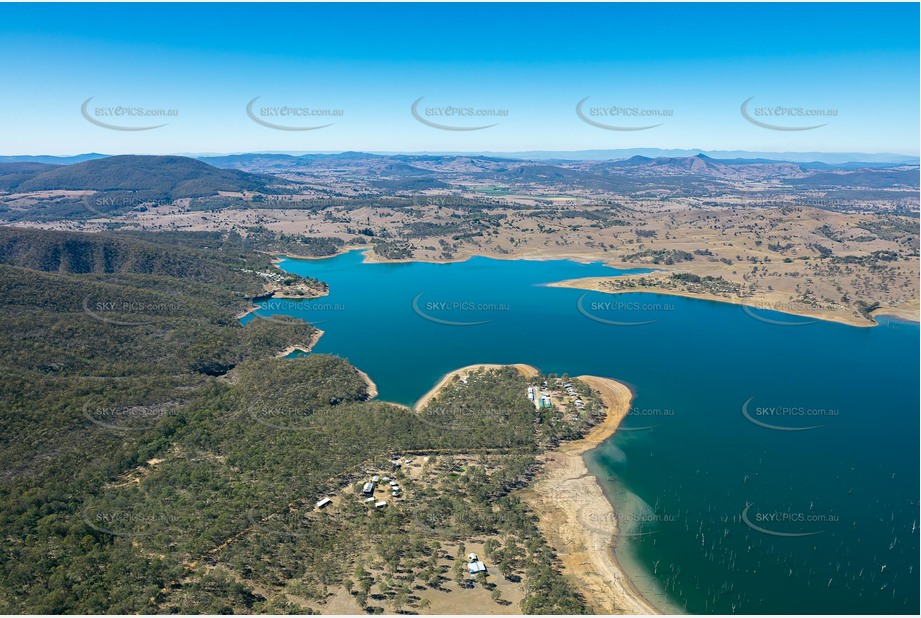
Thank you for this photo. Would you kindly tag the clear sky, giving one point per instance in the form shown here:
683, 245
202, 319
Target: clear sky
698, 63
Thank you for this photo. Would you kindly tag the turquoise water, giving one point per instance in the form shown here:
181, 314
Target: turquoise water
831, 524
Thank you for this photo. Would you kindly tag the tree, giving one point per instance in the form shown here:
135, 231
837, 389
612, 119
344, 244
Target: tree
459, 573
399, 600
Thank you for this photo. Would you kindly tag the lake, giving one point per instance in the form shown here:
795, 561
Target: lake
769, 463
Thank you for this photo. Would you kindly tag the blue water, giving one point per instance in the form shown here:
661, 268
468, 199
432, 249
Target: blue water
688, 461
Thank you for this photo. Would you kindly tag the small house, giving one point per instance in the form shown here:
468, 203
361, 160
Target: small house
323, 502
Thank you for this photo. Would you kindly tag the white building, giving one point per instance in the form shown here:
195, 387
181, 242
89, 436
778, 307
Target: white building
474, 565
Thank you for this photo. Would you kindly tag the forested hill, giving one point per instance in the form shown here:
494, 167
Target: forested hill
166, 177
151, 446
115, 185
77, 252
110, 347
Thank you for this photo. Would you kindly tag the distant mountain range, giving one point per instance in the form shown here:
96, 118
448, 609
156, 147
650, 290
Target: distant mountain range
814, 160
407, 172
128, 180
861, 159
51, 159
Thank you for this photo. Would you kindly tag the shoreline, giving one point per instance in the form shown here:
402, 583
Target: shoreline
525, 370
372, 387
911, 312
565, 494
306, 348
464, 256
254, 307
593, 284
564, 490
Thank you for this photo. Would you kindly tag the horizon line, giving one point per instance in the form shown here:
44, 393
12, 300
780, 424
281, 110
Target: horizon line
698, 151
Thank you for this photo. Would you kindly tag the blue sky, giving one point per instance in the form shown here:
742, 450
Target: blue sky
696, 64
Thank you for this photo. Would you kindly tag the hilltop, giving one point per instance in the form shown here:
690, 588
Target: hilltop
166, 176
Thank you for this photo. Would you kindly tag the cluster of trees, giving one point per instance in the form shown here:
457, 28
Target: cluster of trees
108, 358
660, 256
394, 249
157, 457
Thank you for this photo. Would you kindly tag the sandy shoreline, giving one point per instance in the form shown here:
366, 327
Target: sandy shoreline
764, 301
578, 520
525, 370
564, 495
372, 387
